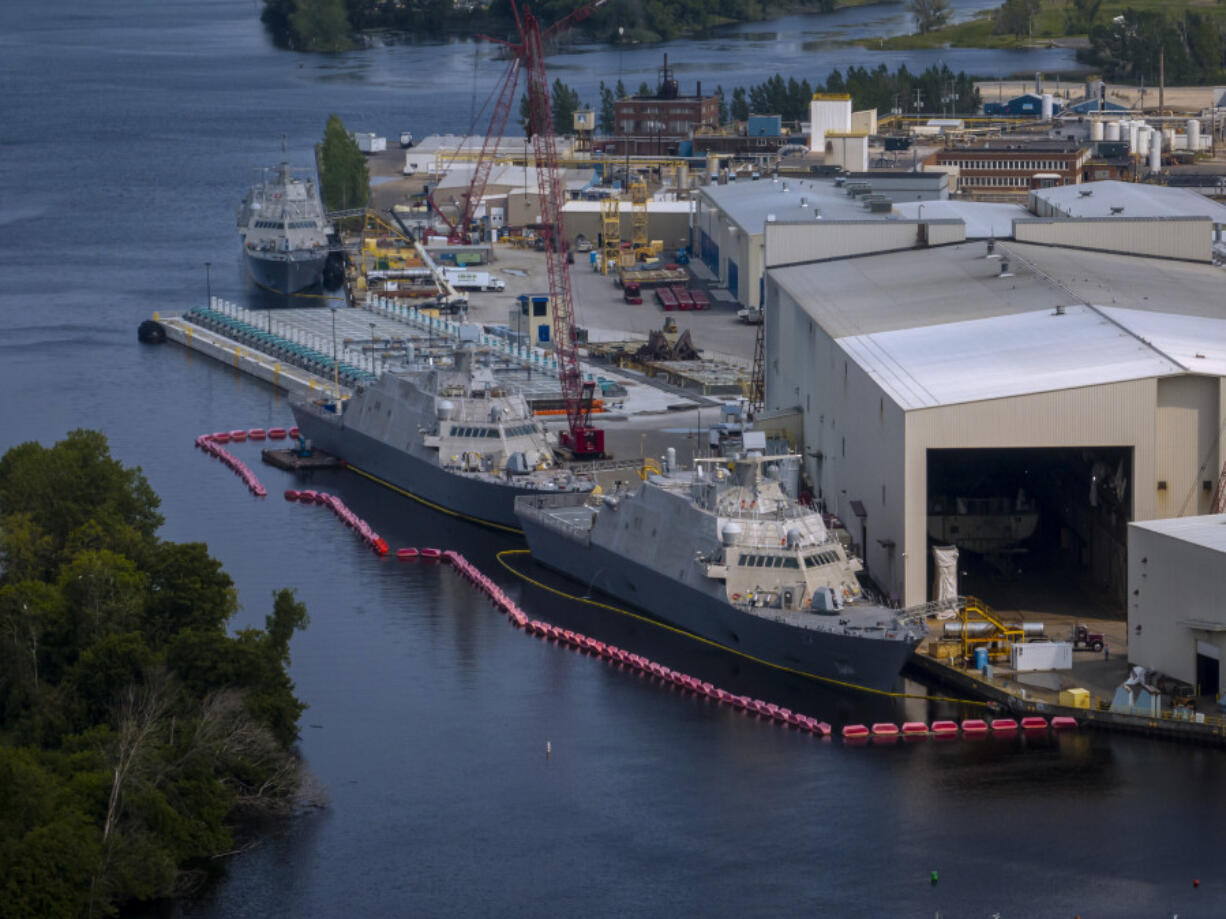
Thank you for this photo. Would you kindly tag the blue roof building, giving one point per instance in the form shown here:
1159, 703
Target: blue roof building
1025, 105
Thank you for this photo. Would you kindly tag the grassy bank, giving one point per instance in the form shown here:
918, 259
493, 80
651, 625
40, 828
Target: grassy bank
1047, 27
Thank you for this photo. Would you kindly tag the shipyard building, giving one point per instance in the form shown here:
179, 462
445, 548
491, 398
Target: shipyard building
1038, 393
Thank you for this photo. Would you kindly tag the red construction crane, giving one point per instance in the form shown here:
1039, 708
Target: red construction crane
581, 439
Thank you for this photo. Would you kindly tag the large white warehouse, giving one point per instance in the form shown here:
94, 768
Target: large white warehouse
1026, 404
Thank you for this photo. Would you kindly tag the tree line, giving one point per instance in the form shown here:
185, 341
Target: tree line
1193, 44
138, 735
330, 25
344, 177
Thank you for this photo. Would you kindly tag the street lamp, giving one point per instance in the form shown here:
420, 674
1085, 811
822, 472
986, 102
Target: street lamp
208, 284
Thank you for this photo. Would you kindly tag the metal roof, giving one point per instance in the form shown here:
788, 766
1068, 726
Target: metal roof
1038, 351
982, 218
941, 326
1136, 199
749, 203
1207, 531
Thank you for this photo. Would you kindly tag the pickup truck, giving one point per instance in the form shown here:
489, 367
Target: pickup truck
632, 294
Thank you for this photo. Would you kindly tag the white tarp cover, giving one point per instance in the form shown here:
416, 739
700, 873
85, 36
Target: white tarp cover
945, 583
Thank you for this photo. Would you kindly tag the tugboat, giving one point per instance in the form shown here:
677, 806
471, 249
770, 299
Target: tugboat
284, 231
725, 553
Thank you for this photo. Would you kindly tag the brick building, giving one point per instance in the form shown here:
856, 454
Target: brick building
1014, 166
656, 125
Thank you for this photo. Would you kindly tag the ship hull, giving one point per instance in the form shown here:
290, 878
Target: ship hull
868, 662
286, 275
419, 477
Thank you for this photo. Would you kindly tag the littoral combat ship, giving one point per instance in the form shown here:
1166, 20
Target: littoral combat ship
451, 437
284, 231
725, 553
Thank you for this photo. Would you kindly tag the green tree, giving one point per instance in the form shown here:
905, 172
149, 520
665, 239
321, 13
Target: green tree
1079, 15
723, 105
620, 90
321, 25
343, 175
607, 117
564, 102
739, 110
1014, 17
645, 90
929, 15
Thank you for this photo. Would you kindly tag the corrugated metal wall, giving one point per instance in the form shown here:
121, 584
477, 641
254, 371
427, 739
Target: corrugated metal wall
1186, 443
1178, 581
1188, 238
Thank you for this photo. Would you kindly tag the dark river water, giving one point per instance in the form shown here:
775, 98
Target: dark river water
128, 135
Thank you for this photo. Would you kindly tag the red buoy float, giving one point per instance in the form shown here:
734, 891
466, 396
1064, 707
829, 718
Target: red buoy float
855, 731
1003, 725
1034, 723
913, 728
291, 495
974, 726
431, 553
885, 729
222, 437
238, 436
276, 433
406, 553
257, 434
1063, 722
944, 728
293, 432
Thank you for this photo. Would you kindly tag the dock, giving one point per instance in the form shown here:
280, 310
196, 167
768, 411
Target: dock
1040, 693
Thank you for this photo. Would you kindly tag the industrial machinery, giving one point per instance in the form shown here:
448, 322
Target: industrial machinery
581, 439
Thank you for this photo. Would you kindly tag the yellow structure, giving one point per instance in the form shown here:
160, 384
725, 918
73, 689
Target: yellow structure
610, 232
997, 641
1075, 698
638, 219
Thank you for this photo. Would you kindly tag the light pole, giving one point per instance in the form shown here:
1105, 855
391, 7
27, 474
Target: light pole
336, 373
208, 284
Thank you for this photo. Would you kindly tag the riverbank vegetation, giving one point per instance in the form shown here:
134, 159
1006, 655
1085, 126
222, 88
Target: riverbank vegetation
331, 25
137, 735
1122, 38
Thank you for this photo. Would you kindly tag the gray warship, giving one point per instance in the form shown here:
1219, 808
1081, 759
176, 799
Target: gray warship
725, 553
283, 230
451, 437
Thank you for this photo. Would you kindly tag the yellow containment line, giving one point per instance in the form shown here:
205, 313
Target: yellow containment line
706, 641
430, 504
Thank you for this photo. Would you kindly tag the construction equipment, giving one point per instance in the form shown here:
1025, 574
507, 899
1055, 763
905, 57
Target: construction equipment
997, 640
638, 217
581, 440
610, 230
1085, 640
632, 293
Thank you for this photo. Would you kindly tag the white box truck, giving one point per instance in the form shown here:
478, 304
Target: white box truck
369, 142
461, 279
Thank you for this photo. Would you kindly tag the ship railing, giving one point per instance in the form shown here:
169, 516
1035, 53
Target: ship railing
915, 615
537, 509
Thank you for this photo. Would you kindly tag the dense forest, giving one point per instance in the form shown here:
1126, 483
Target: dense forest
1193, 44
137, 736
330, 25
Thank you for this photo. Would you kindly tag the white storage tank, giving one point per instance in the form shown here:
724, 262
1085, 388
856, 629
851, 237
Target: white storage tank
1112, 130
1193, 128
1048, 107
1155, 151
1096, 130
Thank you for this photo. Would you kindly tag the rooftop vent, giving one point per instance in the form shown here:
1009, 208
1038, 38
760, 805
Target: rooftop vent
1004, 269
1059, 309
1085, 192
804, 202
1117, 209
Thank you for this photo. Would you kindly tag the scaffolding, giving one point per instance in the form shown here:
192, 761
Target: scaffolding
638, 223
610, 233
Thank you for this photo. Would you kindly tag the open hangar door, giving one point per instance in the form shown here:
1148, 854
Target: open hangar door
1041, 529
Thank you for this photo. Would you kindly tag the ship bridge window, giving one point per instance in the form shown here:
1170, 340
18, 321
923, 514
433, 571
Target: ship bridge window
791, 563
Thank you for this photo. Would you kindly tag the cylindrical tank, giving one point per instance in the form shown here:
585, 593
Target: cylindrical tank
1096, 130
730, 533
1193, 128
713, 165
1112, 130
1048, 107
1155, 152
671, 454
1168, 138
1134, 136
976, 629
981, 658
